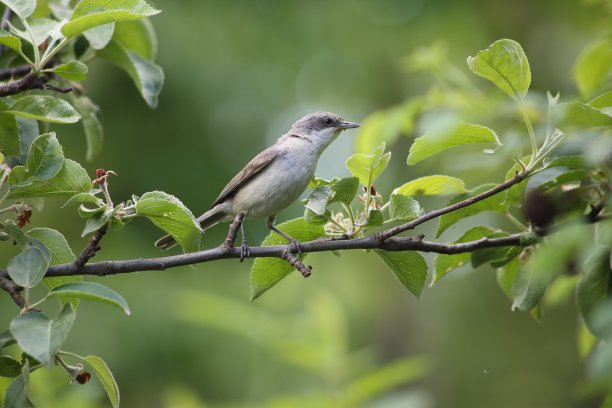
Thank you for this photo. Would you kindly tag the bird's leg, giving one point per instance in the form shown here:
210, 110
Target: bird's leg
228, 244
244, 246
297, 246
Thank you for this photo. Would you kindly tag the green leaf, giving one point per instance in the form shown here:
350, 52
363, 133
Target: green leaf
28, 267
94, 132
594, 288
169, 214
45, 158
494, 203
464, 133
593, 67
9, 367
91, 13
45, 108
367, 167
106, 378
41, 29
344, 190
446, 263
72, 179
409, 267
96, 222
10, 144
375, 218
580, 115
28, 131
497, 257
548, 262
40, 336
602, 101
91, 291
23, 8
56, 244
99, 36
85, 198
6, 339
72, 70
61, 253
267, 272
137, 36
10, 41
328, 192
312, 218
147, 76
506, 276
317, 200
505, 64
17, 392
432, 185
16, 233
403, 207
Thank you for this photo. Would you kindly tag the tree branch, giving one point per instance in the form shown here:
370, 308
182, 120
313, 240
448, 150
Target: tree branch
28, 82
385, 241
370, 242
465, 203
19, 71
12, 289
92, 247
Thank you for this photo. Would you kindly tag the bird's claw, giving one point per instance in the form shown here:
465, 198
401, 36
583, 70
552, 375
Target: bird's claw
296, 246
245, 252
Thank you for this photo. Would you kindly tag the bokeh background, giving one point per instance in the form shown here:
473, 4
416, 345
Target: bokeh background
237, 75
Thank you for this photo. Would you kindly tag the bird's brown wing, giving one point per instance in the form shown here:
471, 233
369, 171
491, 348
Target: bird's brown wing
259, 162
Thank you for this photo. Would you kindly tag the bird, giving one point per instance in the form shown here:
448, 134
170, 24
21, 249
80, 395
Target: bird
274, 178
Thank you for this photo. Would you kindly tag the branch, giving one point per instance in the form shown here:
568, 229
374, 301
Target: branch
28, 82
92, 247
465, 203
12, 289
370, 242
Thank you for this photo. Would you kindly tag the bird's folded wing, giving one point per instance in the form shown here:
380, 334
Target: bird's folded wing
255, 166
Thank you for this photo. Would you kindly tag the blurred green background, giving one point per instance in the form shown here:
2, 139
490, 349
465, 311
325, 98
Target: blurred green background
237, 75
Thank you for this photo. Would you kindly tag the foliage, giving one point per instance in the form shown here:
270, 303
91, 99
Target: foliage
560, 189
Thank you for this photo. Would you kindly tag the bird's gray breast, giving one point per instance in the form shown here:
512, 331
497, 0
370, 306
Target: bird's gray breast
278, 185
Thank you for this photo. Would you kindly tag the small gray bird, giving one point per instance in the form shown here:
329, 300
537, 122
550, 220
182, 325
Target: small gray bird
276, 177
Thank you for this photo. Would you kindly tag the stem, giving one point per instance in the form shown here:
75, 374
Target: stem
67, 353
516, 222
34, 46
4, 196
349, 211
331, 219
366, 212
52, 53
534, 142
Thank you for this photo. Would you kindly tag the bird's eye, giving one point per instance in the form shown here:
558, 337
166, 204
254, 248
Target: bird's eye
328, 121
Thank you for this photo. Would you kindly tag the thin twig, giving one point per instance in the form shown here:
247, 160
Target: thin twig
92, 248
296, 263
454, 207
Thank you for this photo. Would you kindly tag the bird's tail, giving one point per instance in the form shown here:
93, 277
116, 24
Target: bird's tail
206, 220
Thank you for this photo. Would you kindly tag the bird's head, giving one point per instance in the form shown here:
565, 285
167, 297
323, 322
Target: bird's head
321, 127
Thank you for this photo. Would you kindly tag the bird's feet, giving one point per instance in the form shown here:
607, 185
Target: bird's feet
245, 252
296, 246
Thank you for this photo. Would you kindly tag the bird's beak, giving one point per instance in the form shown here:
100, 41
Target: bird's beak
348, 125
